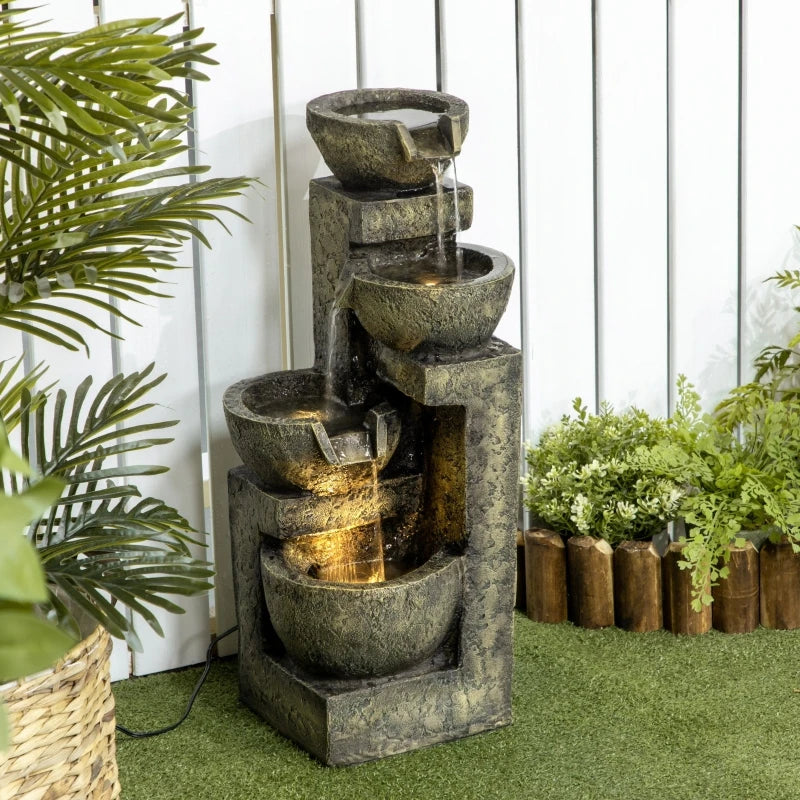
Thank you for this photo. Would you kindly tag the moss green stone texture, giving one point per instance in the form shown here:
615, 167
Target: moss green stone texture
355, 672
378, 154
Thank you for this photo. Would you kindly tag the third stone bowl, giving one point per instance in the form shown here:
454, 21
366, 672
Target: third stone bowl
365, 153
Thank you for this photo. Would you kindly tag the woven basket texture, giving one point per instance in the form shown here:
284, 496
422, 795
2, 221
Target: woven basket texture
63, 743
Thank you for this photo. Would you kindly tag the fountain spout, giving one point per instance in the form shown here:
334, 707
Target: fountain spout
440, 141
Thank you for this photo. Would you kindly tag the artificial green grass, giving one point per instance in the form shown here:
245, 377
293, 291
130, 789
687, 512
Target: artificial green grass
597, 715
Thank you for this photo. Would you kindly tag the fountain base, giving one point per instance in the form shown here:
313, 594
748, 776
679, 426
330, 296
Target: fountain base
463, 687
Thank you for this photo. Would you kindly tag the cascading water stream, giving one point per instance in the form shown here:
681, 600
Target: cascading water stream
333, 315
439, 168
360, 556
457, 221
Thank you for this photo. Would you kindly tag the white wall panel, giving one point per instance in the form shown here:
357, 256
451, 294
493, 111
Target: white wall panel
67, 367
479, 65
632, 202
168, 336
240, 275
68, 16
317, 55
771, 170
558, 208
704, 154
397, 44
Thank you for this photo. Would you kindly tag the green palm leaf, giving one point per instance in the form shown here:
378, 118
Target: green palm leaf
102, 544
61, 79
94, 205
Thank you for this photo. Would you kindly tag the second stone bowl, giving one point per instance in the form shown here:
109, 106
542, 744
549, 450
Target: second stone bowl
425, 314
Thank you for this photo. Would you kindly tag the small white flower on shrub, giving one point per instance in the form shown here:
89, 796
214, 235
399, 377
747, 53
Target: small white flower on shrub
590, 474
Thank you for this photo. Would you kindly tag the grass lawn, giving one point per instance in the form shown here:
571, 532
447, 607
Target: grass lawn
597, 714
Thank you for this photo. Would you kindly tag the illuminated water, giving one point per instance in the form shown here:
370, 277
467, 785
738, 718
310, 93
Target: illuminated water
427, 268
362, 571
336, 417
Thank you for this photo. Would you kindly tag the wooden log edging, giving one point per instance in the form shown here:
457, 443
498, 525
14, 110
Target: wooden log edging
638, 590
638, 602
591, 582
520, 594
779, 569
736, 599
679, 616
545, 576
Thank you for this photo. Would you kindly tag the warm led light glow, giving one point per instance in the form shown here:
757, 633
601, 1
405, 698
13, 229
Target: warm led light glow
348, 555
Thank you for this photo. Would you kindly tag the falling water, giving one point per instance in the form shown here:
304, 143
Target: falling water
333, 315
457, 230
379, 571
360, 557
439, 167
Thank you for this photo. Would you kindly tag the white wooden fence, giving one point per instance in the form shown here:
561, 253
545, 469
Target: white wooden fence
637, 159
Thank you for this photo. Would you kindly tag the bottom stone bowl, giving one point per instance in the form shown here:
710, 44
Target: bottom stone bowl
352, 630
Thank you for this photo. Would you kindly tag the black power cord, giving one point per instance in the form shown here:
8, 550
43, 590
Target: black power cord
198, 686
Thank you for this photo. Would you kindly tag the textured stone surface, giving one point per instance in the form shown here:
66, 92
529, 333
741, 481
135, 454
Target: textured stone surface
355, 630
292, 513
370, 154
354, 721
454, 317
451, 487
335, 214
382, 216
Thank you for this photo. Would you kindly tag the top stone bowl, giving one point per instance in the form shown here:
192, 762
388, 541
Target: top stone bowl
366, 153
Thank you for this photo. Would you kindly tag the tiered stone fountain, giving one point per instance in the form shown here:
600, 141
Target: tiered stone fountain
373, 522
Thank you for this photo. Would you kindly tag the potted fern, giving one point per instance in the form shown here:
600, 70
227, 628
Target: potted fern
742, 468
93, 213
742, 492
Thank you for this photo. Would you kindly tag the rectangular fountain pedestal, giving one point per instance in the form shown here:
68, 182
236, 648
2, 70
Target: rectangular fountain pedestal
469, 497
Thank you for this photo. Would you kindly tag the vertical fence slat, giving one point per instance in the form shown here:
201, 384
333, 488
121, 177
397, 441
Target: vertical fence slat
241, 305
704, 142
326, 62
558, 208
70, 368
771, 174
487, 81
397, 44
632, 202
168, 337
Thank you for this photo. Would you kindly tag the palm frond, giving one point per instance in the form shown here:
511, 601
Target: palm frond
102, 543
93, 204
62, 81
93, 227
787, 279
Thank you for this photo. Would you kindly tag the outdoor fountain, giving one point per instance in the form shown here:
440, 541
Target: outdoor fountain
373, 522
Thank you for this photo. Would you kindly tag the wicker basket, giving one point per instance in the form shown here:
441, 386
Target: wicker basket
62, 729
